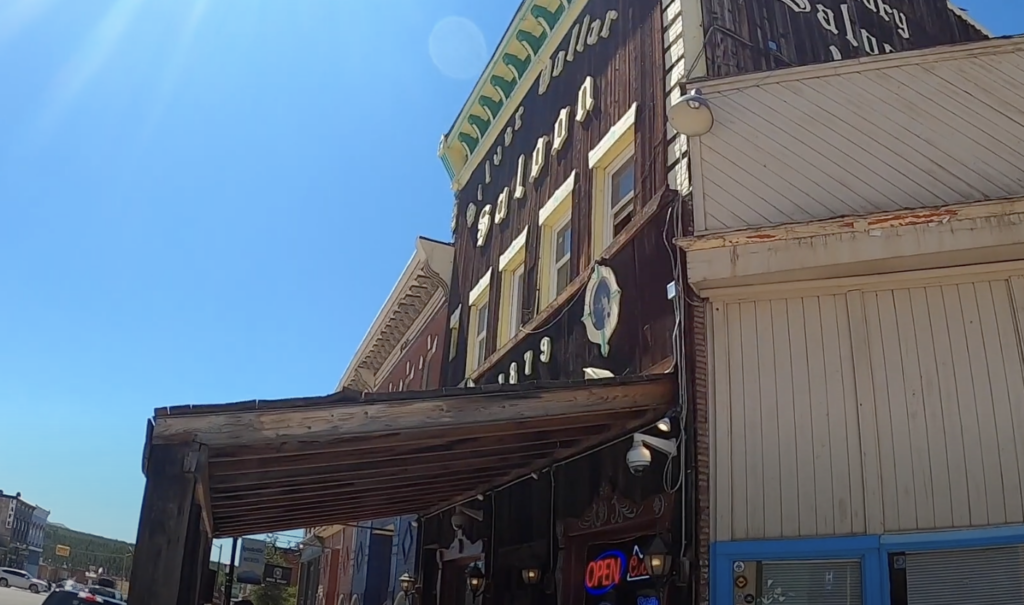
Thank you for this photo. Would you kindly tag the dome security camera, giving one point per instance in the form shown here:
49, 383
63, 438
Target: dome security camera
638, 458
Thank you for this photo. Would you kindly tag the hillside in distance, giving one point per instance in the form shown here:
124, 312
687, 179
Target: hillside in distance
114, 556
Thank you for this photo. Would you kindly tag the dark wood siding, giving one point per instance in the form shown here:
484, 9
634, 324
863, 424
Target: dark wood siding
628, 67
746, 36
643, 337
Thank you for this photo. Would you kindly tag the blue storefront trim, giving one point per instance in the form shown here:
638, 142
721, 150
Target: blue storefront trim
872, 551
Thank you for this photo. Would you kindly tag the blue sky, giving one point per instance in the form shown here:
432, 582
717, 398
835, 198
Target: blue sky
207, 201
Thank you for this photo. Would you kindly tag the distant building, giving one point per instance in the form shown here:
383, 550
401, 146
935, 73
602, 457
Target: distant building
22, 528
36, 537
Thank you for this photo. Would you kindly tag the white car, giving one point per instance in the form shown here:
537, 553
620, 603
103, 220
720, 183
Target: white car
15, 578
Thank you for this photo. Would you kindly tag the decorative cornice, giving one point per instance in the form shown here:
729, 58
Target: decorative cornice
538, 26
426, 274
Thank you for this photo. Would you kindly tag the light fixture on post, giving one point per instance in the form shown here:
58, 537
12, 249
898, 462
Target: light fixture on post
407, 583
475, 579
658, 560
531, 576
664, 425
691, 115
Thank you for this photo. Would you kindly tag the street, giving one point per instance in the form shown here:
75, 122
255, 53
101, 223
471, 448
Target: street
14, 596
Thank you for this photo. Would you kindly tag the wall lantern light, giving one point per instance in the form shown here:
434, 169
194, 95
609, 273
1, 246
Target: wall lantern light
658, 559
475, 577
407, 583
531, 576
691, 115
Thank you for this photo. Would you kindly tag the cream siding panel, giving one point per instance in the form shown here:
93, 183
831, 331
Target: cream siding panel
782, 444
868, 411
857, 142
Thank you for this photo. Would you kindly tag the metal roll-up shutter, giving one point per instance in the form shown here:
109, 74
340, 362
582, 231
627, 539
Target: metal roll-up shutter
988, 576
811, 582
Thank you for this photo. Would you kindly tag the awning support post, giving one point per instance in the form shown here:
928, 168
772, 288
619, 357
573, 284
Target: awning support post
159, 573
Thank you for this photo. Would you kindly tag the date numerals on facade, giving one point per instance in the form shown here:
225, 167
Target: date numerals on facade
513, 376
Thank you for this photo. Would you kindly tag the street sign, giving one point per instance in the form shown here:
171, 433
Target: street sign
62, 551
250, 569
277, 574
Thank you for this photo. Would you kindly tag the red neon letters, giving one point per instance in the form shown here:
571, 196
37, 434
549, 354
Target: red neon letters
604, 572
637, 568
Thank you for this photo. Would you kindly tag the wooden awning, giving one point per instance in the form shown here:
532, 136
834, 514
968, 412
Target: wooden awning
349, 457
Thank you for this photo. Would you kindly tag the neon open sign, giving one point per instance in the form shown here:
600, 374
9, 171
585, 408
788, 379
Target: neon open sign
605, 572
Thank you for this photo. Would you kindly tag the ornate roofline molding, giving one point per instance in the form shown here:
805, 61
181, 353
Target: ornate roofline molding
424, 280
536, 29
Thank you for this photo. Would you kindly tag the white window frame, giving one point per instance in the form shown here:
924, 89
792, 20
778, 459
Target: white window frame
553, 254
512, 265
517, 287
480, 332
611, 205
476, 343
553, 215
614, 149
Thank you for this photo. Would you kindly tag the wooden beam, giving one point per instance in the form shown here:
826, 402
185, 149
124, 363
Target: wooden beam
270, 494
328, 500
313, 517
202, 474
390, 441
163, 528
353, 472
418, 453
372, 501
248, 529
312, 422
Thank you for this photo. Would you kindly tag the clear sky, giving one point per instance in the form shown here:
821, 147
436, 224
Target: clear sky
205, 201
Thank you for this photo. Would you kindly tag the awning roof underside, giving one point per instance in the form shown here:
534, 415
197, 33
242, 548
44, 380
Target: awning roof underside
349, 457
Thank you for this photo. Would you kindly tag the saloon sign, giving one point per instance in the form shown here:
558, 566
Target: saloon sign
842, 22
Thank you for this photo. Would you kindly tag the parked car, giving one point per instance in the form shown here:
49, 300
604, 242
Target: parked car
15, 578
103, 591
62, 596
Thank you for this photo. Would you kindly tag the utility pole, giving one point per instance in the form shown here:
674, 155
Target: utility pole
220, 553
229, 582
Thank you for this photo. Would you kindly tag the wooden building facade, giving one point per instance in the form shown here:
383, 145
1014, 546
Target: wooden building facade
562, 272
859, 251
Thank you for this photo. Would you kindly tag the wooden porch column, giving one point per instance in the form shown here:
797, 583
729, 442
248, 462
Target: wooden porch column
160, 548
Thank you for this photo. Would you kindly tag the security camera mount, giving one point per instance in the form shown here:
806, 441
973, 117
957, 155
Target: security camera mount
669, 447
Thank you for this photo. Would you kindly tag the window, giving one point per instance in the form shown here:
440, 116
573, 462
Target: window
556, 267
479, 316
620, 188
516, 287
480, 334
560, 256
512, 265
453, 327
614, 167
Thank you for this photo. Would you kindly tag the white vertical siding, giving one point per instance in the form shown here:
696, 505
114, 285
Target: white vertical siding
868, 411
